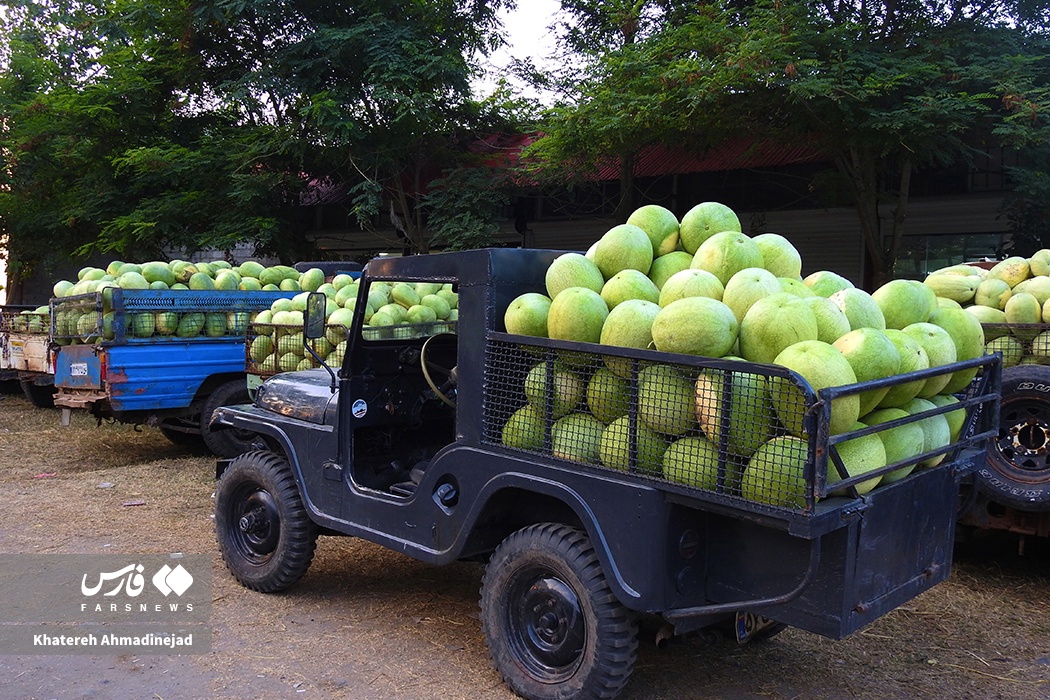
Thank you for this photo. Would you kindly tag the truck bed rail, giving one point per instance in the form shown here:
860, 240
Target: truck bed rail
123, 316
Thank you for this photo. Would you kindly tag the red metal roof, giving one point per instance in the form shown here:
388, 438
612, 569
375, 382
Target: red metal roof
734, 154
504, 150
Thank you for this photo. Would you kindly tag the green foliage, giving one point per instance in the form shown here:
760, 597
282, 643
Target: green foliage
132, 127
81, 88
1028, 209
377, 95
464, 206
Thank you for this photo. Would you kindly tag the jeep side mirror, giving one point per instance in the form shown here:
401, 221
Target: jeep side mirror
314, 318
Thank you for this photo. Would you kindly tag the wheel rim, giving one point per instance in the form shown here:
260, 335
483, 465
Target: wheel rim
547, 626
255, 524
1024, 438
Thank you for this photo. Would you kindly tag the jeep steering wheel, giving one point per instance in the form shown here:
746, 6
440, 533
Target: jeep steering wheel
449, 374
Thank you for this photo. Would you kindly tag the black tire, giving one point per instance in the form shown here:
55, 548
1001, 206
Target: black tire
768, 633
192, 441
266, 538
40, 395
1016, 472
553, 626
10, 386
225, 441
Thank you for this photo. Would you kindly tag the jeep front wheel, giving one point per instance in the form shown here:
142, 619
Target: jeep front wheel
265, 536
553, 626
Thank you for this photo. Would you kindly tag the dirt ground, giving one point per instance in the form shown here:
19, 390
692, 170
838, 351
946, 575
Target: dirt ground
367, 623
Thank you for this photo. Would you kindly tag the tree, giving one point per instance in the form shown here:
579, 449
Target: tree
78, 89
598, 126
138, 128
1028, 209
882, 89
375, 95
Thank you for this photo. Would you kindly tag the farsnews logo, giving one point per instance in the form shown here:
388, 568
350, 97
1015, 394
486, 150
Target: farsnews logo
168, 580
130, 579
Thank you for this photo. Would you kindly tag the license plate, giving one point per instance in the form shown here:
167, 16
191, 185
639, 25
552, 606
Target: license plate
16, 347
78, 369
749, 624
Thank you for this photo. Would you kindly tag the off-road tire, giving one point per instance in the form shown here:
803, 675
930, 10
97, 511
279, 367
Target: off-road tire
553, 626
1016, 472
40, 395
227, 441
265, 535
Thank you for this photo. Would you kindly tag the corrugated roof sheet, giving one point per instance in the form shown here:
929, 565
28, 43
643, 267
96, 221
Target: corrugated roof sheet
734, 154
319, 192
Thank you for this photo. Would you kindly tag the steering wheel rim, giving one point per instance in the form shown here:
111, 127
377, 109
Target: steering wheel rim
425, 365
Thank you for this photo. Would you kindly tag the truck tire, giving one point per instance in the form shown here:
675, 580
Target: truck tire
191, 441
553, 627
266, 538
1016, 472
228, 442
40, 395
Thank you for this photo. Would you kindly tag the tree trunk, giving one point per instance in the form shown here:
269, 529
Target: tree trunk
860, 166
625, 206
900, 213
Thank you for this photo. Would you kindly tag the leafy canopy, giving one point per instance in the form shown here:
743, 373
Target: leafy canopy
882, 89
135, 127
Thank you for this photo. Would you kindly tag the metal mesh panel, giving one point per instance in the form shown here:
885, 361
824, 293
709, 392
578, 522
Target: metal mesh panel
732, 430
150, 315
185, 301
16, 320
77, 319
407, 331
273, 348
688, 425
1020, 343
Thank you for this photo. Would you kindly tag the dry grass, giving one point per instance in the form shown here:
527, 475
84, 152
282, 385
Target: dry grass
366, 622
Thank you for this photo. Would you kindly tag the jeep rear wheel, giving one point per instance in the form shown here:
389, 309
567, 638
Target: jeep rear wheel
1017, 469
266, 538
553, 626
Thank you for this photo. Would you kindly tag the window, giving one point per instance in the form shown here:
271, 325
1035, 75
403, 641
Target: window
920, 255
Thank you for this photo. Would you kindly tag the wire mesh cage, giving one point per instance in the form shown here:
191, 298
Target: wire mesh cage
25, 319
727, 428
407, 331
272, 348
148, 315
1019, 343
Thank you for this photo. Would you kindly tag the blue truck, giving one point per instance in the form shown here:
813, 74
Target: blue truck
162, 358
